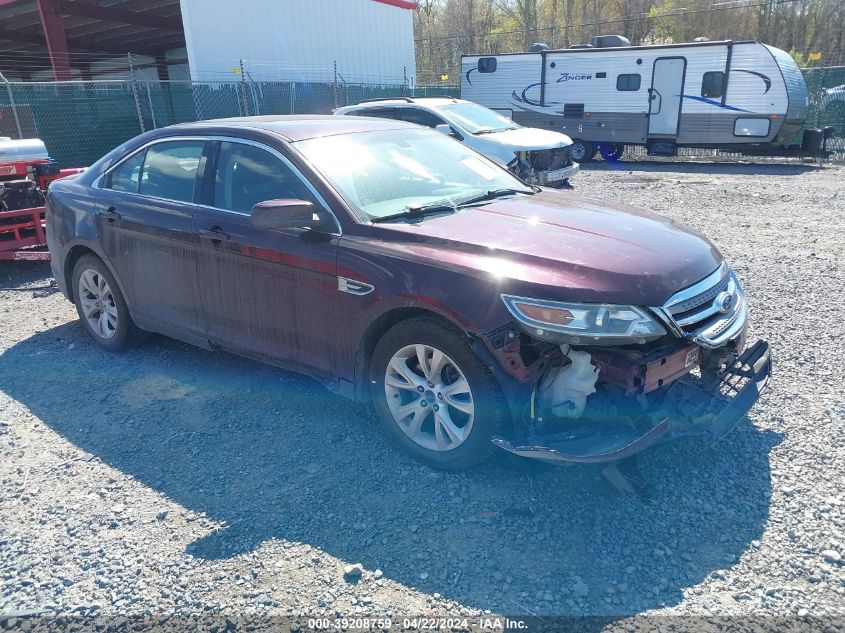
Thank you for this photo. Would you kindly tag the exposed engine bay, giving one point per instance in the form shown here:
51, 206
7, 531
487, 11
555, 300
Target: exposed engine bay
601, 404
20, 194
552, 167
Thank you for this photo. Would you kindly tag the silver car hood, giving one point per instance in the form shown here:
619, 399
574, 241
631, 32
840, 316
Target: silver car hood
501, 146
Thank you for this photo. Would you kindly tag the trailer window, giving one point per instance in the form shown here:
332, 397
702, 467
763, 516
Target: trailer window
713, 84
487, 65
628, 83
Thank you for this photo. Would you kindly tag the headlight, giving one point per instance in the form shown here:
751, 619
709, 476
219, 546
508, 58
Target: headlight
583, 322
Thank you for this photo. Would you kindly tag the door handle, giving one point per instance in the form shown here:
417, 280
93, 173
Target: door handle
110, 214
215, 234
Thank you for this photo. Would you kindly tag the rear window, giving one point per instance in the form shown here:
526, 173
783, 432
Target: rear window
170, 170
628, 83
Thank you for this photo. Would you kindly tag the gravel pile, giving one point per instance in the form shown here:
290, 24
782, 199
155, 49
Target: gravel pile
169, 480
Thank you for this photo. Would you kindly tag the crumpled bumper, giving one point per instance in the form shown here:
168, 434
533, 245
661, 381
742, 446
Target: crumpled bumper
716, 413
557, 175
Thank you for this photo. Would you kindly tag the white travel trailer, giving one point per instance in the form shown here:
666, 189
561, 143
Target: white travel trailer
735, 96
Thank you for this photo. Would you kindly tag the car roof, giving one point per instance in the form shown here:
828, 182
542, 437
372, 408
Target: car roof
294, 127
406, 101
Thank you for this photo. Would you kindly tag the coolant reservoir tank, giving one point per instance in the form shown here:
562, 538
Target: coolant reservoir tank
22, 150
572, 385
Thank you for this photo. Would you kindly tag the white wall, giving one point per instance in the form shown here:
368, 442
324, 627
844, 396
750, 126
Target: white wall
299, 40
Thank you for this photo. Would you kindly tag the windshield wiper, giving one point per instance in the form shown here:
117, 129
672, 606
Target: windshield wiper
417, 211
491, 195
449, 206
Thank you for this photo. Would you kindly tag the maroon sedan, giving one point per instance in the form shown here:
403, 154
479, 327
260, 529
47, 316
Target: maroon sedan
397, 265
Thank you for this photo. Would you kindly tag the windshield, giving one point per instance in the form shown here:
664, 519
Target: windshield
475, 118
388, 171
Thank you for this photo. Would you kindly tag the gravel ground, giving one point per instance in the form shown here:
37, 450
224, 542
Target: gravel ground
169, 480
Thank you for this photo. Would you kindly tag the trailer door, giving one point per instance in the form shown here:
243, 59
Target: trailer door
665, 95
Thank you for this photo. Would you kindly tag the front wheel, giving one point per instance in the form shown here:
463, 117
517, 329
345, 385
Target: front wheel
433, 395
582, 151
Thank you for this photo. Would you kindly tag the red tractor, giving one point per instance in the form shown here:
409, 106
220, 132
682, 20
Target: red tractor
26, 170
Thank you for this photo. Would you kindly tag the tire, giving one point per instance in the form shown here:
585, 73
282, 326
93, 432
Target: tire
95, 290
582, 151
611, 152
464, 441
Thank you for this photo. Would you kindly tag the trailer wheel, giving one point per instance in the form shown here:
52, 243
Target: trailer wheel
611, 152
582, 151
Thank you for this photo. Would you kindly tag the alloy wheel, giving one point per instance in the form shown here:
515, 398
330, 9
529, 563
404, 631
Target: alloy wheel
429, 397
97, 302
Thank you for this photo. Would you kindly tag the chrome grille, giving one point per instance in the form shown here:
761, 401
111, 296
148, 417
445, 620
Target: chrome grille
710, 312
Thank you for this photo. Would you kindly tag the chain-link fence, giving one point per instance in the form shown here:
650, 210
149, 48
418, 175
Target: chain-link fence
79, 121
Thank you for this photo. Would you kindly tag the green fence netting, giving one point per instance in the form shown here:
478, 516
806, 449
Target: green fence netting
79, 121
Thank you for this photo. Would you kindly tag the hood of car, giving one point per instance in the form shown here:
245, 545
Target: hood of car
563, 246
503, 145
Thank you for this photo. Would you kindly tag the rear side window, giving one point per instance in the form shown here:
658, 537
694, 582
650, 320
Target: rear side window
380, 113
247, 175
487, 65
420, 117
713, 84
628, 83
127, 175
170, 170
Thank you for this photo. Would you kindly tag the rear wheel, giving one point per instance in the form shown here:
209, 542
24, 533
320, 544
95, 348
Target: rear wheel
611, 152
433, 395
100, 304
582, 151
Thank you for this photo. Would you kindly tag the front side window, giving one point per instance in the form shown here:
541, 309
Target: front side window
170, 170
127, 175
628, 83
713, 84
383, 172
247, 175
420, 117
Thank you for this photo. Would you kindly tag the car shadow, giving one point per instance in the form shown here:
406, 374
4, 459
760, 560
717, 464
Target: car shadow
272, 455
703, 167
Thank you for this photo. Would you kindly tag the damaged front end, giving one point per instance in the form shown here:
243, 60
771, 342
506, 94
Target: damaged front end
545, 167
602, 383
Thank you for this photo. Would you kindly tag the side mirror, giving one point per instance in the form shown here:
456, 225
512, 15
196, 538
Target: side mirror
283, 214
445, 128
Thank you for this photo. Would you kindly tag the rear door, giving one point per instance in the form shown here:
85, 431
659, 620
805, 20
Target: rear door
144, 219
268, 293
665, 96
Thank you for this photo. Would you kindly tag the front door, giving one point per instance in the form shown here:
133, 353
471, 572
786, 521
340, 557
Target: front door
665, 96
267, 293
145, 223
